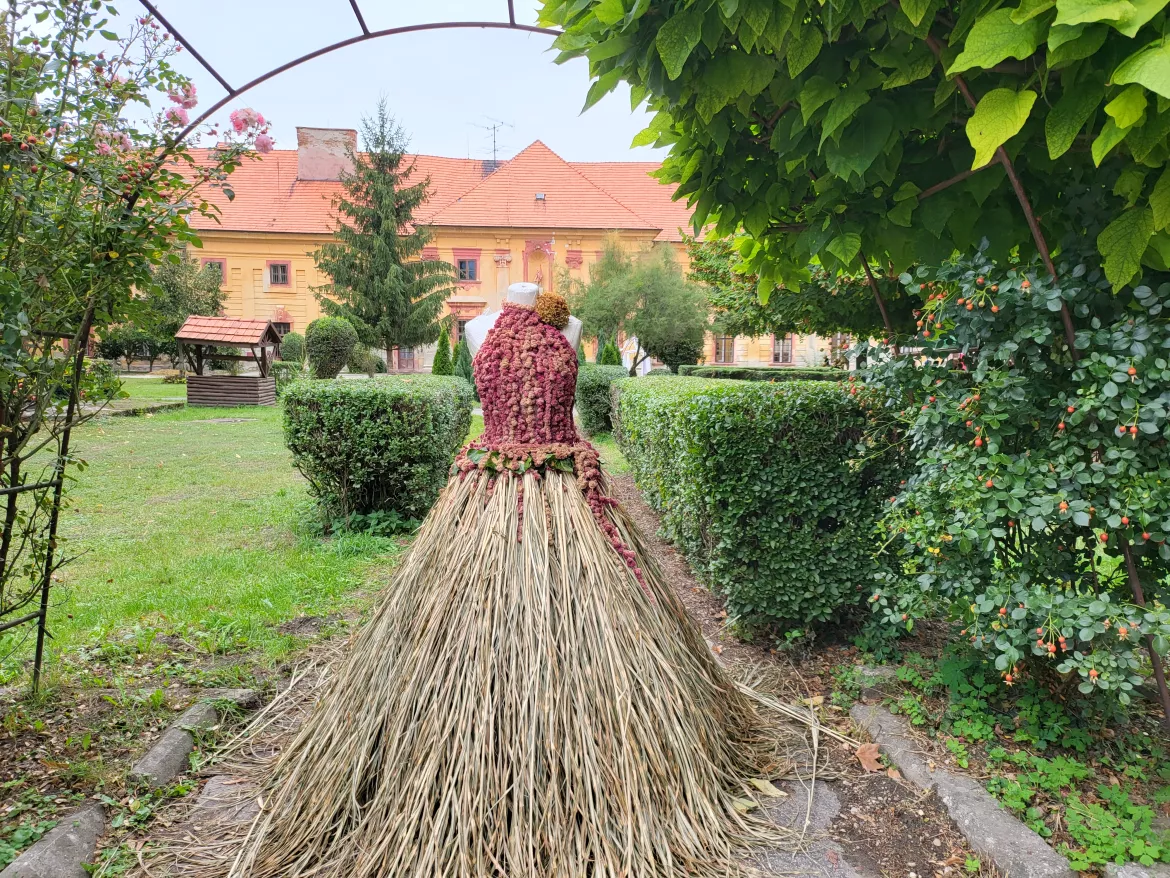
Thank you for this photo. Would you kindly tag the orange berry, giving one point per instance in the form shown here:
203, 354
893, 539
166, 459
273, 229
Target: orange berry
1125, 519
1132, 370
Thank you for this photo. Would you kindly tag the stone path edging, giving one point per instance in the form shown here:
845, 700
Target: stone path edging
64, 850
992, 832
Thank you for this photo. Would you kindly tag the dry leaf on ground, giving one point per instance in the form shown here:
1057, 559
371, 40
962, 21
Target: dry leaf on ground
867, 755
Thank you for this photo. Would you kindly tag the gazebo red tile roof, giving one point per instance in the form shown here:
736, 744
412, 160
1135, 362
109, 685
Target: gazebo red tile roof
228, 331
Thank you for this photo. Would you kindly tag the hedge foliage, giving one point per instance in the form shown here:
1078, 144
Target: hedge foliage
763, 373
328, 342
381, 445
593, 398
769, 490
292, 347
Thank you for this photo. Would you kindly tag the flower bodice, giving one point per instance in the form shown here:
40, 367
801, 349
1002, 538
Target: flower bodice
526, 374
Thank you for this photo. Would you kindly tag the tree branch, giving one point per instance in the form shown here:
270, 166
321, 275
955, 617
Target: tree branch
947, 184
881, 303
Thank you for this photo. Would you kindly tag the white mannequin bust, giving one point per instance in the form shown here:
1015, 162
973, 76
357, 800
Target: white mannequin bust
520, 294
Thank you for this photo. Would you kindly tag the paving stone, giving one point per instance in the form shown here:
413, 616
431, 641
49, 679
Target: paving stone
226, 800
168, 757
246, 699
1135, 870
63, 851
992, 832
820, 857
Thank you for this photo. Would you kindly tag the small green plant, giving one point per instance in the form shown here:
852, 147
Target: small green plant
847, 685
959, 751
1114, 830
912, 708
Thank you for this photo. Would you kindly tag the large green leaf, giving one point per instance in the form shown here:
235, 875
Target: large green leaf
1029, 9
995, 37
915, 10
1160, 202
1085, 11
1128, 107
677, 38
842, 109
1068, 117
845, 247
998, 117
1123, 242
1144, 10
1084, 44
817, 92
861, 143
803, 48
1149, 67
1110, 136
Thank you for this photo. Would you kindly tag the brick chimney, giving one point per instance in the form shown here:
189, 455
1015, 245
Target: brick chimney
321, 152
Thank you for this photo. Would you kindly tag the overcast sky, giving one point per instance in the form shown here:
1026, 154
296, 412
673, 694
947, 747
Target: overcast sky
442, 86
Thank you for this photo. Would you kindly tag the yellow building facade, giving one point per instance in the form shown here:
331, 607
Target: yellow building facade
533, 218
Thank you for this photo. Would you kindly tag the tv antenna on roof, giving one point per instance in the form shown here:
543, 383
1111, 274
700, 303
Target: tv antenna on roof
493, 128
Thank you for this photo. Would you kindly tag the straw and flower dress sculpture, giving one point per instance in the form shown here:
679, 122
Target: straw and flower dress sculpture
529, 700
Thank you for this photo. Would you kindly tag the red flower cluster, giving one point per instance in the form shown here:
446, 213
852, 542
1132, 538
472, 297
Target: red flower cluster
526, 373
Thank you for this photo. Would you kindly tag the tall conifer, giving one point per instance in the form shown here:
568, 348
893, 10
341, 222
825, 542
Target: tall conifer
378, 278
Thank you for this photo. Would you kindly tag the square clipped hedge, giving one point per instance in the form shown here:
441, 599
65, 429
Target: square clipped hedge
765, 373
592, 400
764, 487
382, 445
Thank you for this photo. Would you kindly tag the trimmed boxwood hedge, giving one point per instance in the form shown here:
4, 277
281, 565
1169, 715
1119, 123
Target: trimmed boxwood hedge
381, 445
592, 401
764, 487
764, 373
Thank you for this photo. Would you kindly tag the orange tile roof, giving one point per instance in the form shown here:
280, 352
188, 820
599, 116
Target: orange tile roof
464, 192
227, 331
631, 183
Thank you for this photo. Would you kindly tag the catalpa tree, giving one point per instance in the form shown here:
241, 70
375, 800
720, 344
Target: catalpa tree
895, 132
1007, 164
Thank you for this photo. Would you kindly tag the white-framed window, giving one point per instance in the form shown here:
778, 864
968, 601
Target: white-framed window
782, 349
725, 349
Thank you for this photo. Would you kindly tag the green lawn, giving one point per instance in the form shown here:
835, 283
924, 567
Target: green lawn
182, 523
154, 389
612, 459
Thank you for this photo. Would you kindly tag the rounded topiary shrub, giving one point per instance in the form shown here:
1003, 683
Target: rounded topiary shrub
592, 401
329, 342
292, 347
376, 446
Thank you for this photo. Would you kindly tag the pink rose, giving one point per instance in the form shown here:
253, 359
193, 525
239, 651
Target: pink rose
185, 97
175, 116
264, 144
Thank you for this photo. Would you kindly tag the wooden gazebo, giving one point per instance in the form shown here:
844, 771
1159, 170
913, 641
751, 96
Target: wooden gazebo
198, 339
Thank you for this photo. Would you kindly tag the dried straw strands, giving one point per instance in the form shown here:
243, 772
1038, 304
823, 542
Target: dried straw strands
518, 708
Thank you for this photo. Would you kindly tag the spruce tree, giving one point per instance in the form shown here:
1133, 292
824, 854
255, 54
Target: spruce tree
379, 281
442, 364
580, 353
463, 362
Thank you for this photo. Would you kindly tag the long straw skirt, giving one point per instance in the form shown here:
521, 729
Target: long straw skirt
519, 705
